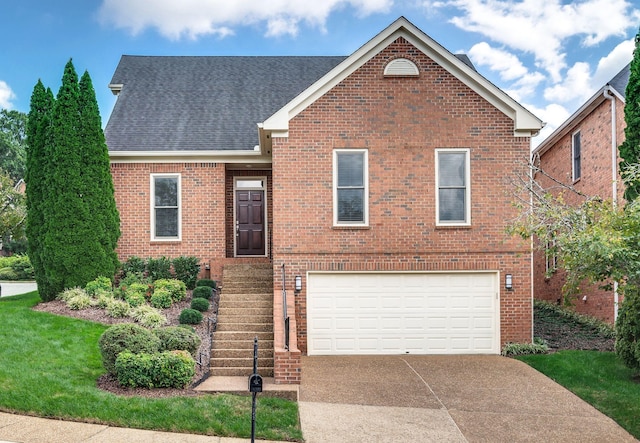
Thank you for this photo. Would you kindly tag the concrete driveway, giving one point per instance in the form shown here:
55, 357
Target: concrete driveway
442, 399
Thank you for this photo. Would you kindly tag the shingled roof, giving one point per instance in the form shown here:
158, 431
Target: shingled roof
203, 103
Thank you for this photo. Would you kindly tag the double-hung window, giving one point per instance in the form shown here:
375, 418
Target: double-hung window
165, 207
350, 187
576, 156
453, 197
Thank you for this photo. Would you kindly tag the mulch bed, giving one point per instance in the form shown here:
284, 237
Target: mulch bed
108, 382
561, 333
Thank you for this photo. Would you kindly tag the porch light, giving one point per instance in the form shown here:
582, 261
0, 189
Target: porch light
298, 284
508, 282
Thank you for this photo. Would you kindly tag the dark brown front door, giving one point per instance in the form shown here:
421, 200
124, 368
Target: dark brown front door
250, 223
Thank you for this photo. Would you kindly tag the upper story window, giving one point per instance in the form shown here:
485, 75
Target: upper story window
576, 156
165, 207
350, 187
453, 199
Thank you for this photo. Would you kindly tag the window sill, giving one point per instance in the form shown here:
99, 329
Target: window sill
159, 241
350, 227
453, 227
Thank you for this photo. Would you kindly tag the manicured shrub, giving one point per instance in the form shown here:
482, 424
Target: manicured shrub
186, 270
161, 299
8, 274
125, 336
513, 349
176, 338
135, 294
133, 266
117, 308
628, 328
159, 268
176, 288
202, 292
190, 317
206, 282
148, 316
70, 293
21, 267
98, 286
104, 299
79, 302
200, 304
169, 369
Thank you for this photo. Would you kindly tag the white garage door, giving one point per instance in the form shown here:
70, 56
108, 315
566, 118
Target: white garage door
415, 313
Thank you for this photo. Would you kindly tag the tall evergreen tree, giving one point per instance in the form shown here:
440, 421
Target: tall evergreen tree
76, 241
630, 148
38, 167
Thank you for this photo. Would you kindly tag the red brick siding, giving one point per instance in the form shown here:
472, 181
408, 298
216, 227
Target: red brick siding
400, 121
596, 179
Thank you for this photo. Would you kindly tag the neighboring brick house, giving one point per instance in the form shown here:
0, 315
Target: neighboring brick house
376, 180
583, 153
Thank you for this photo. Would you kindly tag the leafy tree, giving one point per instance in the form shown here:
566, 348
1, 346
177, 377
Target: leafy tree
13, 210
13, 126
77, 223
630, 148
595, 242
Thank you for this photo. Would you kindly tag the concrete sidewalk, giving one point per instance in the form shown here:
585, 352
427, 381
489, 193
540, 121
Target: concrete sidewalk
24, 429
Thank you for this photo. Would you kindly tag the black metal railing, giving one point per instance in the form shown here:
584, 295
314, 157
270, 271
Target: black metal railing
284, 308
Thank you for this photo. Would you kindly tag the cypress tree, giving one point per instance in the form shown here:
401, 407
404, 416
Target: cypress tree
630, 148
82, 223
38, 167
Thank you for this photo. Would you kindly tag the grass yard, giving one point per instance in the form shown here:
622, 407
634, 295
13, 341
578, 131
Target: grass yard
597, 377
50, 365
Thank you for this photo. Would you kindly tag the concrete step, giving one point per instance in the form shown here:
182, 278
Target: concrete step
228, 362
230, 309
243, 353
237, 318
246, 296
248, 336
241, 344
239, 372
224, 326
240, 386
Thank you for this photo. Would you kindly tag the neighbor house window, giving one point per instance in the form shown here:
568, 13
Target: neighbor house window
350, 187
165, 207
576, 156
453, 199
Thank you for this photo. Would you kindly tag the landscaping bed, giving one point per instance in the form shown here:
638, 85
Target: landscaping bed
108, 382
564, 332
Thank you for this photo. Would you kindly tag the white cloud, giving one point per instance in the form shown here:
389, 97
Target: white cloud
553, 115
612, 63
196, 18
542, 28
6, 95
576, 85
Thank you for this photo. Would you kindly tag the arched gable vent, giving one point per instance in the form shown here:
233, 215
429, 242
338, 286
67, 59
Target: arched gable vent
401, 67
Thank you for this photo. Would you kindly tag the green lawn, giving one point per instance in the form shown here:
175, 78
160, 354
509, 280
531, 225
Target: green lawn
50, 365
599, 378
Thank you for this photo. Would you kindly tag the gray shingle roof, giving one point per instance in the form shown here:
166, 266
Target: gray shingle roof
203, 103
620, 81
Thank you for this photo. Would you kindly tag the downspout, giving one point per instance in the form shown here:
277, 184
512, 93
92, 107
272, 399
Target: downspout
614, 177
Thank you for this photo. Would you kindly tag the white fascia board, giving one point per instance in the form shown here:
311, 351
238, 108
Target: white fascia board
525, 123
188, 156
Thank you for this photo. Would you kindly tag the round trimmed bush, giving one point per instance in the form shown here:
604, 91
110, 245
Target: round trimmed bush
169, 369
190, 317
98, 286
176, 288
176, 338
200, 304
129, 336
202, 292
161, 298
148, 316
206, 282
117, 308
79, 302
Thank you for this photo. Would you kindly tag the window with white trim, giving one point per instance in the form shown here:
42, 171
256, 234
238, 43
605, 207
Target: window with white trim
576, 156
165, 207
350, 187
453, 199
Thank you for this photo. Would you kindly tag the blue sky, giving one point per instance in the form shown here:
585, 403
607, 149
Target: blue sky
550, 55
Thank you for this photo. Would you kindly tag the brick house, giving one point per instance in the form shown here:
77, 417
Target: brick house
373, 184
583, 153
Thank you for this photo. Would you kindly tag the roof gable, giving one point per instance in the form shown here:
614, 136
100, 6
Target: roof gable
525, 123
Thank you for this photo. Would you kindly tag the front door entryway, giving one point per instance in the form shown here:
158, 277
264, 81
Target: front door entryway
250, 218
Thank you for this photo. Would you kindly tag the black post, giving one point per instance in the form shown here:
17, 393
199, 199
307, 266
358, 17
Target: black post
254, 392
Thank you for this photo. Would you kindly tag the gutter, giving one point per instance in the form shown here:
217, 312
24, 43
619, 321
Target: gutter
606, 92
